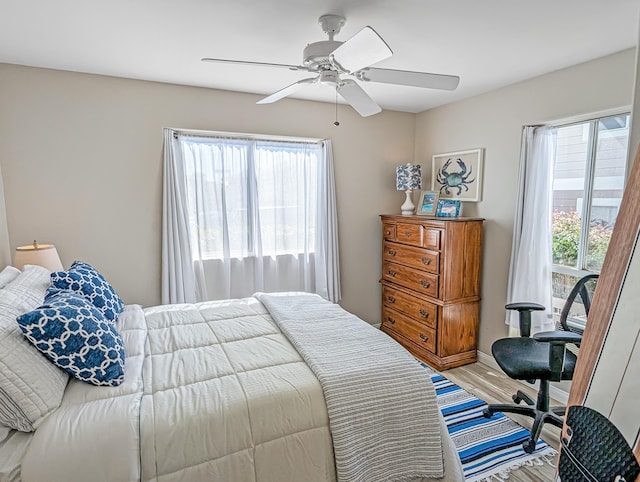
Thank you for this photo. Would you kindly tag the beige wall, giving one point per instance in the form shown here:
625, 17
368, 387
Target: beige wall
82, 163
81, 160
494, 121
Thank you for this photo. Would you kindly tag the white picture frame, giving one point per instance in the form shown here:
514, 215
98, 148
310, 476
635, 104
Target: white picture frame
458, 175
427, 203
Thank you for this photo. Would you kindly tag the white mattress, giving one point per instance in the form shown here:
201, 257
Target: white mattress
213, 391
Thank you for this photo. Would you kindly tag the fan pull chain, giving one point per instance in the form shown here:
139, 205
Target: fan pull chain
336, 123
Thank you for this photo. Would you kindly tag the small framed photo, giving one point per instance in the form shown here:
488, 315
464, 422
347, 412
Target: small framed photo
427, 203
458, 175
448, 208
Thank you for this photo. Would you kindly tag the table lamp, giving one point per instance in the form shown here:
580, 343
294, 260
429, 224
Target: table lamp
44, 255
408, 178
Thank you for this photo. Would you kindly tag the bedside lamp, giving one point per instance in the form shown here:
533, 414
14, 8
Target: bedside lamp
408, 178
44, 255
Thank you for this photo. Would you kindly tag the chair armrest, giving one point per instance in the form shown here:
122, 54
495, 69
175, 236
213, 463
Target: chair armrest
558, 337
524, 311
557, 341
524, 306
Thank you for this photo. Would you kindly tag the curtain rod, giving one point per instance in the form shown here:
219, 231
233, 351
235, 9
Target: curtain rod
241, 136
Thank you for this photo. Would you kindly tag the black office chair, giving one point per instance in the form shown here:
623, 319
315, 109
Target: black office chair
543, 357
594, 450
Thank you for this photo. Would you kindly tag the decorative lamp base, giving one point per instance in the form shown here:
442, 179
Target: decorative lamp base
408, 207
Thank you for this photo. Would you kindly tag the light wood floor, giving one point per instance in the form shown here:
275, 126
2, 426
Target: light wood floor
493, 386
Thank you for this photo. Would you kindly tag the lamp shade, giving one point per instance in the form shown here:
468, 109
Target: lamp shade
408, 177
44, 255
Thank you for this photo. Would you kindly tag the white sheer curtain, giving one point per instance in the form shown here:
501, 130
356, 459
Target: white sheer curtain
531, 251
243, 215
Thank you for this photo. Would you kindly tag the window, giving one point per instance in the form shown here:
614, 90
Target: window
245, 213
588, 182
250, 197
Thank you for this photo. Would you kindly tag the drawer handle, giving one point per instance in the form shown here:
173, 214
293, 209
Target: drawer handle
391, 320
387, 233
424, 337
391, 273
391, 299
391, 252
426, 261
408, 234
424, 314
424, 283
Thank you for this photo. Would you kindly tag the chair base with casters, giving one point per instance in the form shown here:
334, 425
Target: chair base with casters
552, 415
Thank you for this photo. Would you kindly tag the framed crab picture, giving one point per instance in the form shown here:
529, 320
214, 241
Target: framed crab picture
458, 175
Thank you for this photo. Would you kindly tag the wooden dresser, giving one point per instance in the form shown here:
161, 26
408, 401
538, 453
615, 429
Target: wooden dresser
431, 286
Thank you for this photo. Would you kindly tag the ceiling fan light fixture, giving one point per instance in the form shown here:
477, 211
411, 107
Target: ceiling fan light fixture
330, 77
319, 53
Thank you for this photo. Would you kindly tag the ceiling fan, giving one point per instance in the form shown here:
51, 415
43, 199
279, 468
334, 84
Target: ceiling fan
330, 59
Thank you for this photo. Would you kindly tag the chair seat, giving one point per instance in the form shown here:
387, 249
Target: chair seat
528, 359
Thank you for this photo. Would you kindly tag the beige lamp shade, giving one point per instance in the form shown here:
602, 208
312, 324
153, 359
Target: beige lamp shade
44, 255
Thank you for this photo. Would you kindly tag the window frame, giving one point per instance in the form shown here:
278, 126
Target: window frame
251, 143
592, 123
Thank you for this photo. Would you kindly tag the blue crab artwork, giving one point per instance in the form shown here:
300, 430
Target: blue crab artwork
454, 180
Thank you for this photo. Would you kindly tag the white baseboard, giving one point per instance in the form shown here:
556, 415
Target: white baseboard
555, 392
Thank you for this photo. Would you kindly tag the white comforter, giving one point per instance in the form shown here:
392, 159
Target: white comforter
213, 391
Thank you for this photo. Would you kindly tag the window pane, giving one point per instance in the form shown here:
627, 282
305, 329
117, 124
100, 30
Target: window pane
287, 195
608, 185
251, 198
568, 192
562, 286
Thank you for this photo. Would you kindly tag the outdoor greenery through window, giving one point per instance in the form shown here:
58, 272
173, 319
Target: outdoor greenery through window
588, 182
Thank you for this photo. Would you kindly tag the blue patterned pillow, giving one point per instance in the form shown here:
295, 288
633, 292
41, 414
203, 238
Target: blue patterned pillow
84, 279
75, 336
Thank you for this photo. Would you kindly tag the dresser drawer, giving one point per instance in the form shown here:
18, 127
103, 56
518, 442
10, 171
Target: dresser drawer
389, 231
409, 234
411, 329
415, 279
421, 310
431, 238
408, 255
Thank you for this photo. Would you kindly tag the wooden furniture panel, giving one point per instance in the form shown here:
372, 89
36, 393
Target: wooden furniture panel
389, 231
431, 238
409, 234
417, 308
410, 256
414, 331
420, 281
431, 286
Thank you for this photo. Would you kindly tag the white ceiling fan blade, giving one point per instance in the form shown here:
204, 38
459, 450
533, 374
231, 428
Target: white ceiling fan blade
405, 77
350, 91
290, 89
362, 50
259, 64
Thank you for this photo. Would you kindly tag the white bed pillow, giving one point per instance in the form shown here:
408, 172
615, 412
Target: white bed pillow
31, 387
7, 275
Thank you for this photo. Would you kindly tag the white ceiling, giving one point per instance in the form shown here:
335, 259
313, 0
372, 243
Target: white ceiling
488, 43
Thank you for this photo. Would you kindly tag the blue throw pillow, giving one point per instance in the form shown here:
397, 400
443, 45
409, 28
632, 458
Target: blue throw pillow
84, 279
75, 336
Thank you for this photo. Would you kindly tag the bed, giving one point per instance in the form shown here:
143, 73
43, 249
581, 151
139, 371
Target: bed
233, 391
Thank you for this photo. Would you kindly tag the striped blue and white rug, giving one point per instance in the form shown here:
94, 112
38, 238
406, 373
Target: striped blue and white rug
488, 447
